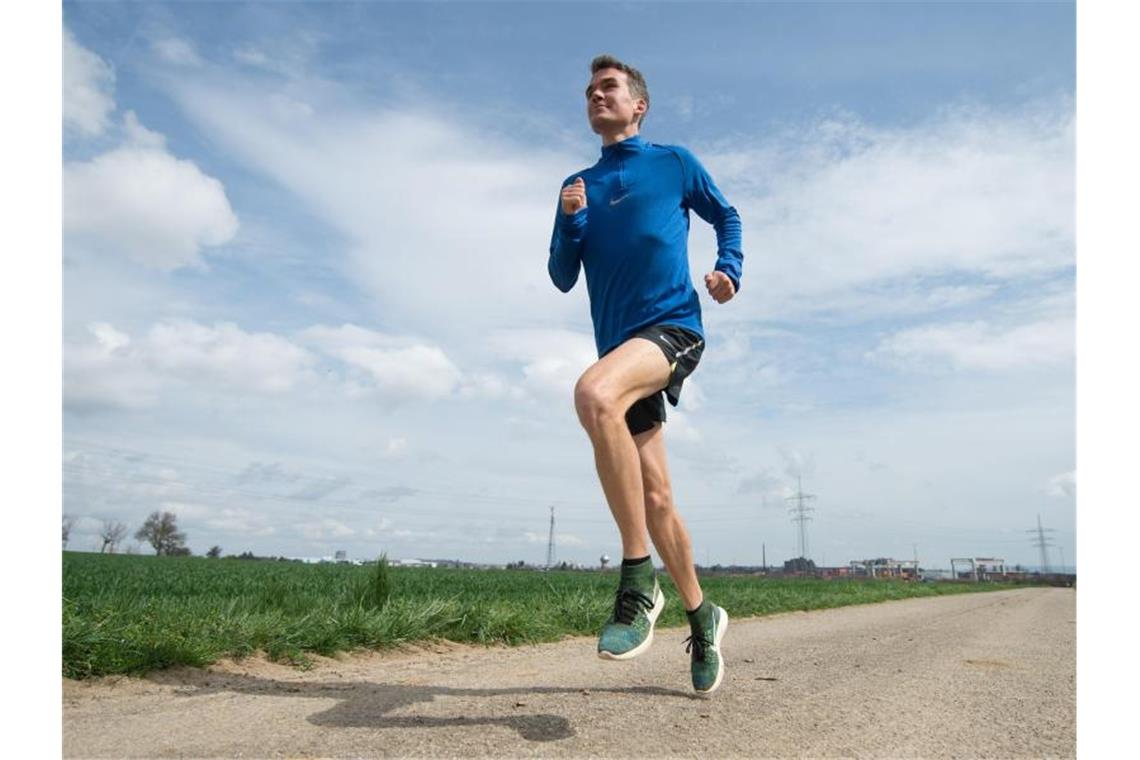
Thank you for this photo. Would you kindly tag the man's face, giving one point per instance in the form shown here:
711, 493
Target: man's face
609, 104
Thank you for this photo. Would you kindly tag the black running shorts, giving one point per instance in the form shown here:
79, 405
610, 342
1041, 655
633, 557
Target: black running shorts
683, 350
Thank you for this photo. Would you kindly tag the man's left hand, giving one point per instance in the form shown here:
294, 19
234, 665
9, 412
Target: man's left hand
720, 286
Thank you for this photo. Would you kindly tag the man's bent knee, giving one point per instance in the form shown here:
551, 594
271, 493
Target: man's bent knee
594, 404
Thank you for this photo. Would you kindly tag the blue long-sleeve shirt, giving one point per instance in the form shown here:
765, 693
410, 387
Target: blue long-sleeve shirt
632, 239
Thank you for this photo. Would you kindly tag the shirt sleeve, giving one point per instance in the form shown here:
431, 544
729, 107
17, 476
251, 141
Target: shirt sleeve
566, 246
702, 195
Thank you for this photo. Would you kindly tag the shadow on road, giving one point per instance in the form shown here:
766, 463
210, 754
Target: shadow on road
363, 704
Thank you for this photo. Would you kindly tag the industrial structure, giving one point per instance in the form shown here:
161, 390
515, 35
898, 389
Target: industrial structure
883, 567
981, 568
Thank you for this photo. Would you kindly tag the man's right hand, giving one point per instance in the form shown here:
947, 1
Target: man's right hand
574, 196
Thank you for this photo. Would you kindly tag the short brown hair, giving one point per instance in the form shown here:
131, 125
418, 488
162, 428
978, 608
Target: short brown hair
637, 86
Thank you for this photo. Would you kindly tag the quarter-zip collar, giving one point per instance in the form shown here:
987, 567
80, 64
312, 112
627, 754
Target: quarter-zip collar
627, 147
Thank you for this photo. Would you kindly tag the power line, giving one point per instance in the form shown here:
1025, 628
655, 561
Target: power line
800, 512
550, 543
1042, 542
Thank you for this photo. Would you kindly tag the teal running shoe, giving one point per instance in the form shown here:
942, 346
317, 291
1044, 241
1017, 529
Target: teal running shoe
707, 665
629, 631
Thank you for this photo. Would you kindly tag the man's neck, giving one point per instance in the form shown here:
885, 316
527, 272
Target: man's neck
625, 134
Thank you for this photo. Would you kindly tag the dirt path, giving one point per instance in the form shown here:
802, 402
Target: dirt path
977, 675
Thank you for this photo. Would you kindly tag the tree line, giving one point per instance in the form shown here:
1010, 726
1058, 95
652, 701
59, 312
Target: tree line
160, 530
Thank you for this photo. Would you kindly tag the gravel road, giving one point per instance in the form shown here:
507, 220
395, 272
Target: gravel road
976, 675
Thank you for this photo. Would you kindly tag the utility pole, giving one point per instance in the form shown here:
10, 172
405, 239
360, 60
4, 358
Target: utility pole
1042, 543
800, 512
550, 543
764, 556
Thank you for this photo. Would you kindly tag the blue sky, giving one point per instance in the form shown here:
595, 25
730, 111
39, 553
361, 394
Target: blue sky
306, 305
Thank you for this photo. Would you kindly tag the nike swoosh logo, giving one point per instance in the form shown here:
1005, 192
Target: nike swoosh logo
616, 201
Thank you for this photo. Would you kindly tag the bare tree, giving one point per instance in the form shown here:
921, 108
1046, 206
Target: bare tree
161, 532
112, 533
68, 524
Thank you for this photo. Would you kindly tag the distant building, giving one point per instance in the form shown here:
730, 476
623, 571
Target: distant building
799, 565
412, 563
883, 567
979, 568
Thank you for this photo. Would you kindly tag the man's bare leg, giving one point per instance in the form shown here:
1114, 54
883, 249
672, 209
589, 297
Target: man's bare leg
664, 522
602, 396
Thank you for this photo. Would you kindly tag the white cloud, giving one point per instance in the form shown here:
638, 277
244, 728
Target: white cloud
488, 385
863, 211
981, 346
185, 510
325, 530
177, 51
414, 371
141, 202
88, 83
1063, 486
226, 355
679, 428
433, 211
395, 367
551, 361
114, 370
139, 136
106, 373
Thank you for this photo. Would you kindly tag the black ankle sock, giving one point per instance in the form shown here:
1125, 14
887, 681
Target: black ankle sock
629, 562
694, 612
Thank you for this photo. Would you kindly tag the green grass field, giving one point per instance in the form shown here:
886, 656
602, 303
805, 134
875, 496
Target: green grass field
132, 614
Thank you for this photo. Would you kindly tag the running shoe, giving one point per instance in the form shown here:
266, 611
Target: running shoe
629, 631
707, 665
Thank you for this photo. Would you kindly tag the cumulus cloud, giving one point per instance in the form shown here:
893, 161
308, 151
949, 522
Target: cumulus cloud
141, 202
395, 367
981, 346
110, 369
88, 85
550, 361
136, 134
863, 211
105, 373
227, 355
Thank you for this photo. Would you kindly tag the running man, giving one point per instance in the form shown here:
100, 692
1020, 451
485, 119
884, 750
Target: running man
625, 220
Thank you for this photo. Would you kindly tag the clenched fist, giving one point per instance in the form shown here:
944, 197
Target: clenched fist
574, 196
720, 286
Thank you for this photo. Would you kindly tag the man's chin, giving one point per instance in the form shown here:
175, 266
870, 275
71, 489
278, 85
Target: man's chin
601, 124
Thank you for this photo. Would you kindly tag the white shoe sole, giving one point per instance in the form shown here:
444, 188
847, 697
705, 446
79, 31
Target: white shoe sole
721, 627
653, 613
